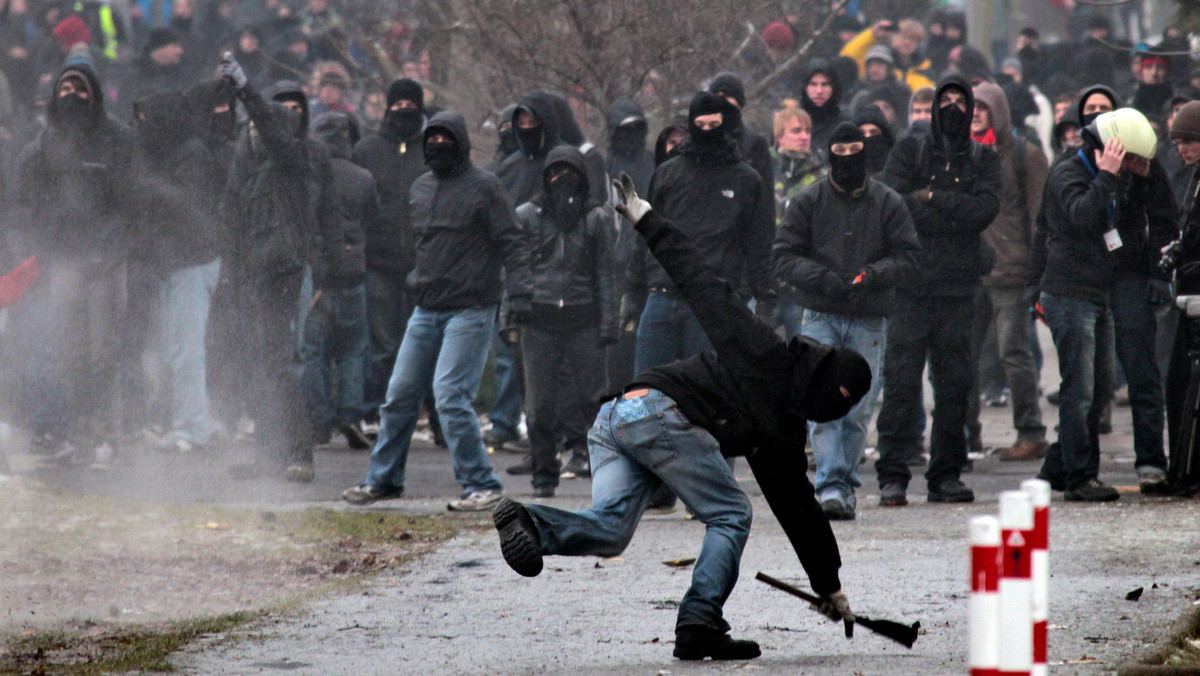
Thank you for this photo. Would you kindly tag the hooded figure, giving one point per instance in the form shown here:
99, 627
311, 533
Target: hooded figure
753, 147
572, 135
521, 174
506, 134
678, 124
627, 152
216, 128
1086, 119
357, 199
877, 147
827, 115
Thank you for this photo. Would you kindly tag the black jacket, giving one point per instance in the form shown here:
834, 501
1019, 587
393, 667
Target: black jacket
395, 163
718, 199
826, 233
1070, 257
749, 393
521, 173
465, 231
358, 202
572, 269
965, 180
639, 165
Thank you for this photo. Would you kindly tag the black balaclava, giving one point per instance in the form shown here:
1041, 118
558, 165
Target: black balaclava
836, 385
629, 139
730, 85
566, 193
74, 111
952, 120
405, 122
508, 137
705, 103
848, 172
876, 147
441, 156
533, 137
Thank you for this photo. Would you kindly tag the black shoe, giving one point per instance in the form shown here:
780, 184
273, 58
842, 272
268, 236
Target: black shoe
577, 466
951, 490
523, 467
519, 540
892, 495
836, 510
697, 641
543, 491
495, 440
355, 437
1094, 490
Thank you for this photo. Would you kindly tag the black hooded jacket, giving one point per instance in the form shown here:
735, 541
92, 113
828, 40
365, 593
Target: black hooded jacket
828, 116
465, 231
77, 177
639, 165
358, 203
570, 134
964, 178
395, 163
571, 266
521, 173
749, 392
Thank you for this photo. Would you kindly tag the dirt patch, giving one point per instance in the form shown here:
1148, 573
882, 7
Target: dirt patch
84, 575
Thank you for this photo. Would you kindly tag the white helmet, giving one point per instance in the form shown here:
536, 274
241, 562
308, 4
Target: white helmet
1131, 128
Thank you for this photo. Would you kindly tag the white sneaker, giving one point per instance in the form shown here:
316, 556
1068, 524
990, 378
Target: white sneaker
479, 501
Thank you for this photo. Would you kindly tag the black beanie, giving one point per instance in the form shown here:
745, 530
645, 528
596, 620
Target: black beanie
846, 132
406, 89
706, 103
729, 84
1186, 125
161, 37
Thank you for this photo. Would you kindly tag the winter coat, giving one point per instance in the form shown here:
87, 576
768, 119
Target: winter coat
639, 166
915, 76
829, 233
1011, 235
358, 203
718, 199
1070, 256
572, 270
747, 392
965, 181
465, 231
395, 163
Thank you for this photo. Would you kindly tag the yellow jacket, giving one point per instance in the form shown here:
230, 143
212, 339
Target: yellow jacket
914, 76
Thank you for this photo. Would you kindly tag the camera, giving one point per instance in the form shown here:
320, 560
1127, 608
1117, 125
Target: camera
1170, 257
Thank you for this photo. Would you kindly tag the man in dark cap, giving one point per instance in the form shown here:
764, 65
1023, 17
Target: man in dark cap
676, 423
753, 147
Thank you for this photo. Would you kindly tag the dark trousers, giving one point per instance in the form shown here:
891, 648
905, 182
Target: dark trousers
388, 310
563, 372
938, 327
1004, 306
1135, 328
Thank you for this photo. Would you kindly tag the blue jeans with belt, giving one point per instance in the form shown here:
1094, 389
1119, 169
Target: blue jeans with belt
636, 444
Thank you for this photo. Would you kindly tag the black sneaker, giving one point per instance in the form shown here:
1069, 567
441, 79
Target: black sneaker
356, 437
836, 510
697, 641
523, 467
1094, 490
892, 495
543, 491
519, 540
577, 466
951, 490
1154, 483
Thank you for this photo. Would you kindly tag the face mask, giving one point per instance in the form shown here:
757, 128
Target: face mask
953, 121
223, 124
404, 122
442, 157
628, 140
73, 109
508, 142
1088, 119
876, 149
566, 198
707, 139
530, 140
849, 172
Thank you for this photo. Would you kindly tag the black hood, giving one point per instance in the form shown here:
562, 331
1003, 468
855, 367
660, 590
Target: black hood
453, 124
95, 95
831, 108
541, 105
289, 90
730, 84
623, 111
961, 82
568, 129
335, 131
1096, 89
162, 122
564, 154
679, 122
873, 115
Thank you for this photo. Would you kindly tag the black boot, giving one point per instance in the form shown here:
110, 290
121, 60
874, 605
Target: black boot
519, 540
697, 641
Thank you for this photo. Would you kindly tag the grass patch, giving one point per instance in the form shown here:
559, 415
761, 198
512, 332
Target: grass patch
1186, 654
102, 649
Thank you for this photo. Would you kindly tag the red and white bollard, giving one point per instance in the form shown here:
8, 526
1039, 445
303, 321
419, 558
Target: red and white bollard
1016, 584
983, 606
1039, 542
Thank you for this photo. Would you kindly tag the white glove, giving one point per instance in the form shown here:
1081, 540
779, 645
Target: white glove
836, 607
631, 206
232, 70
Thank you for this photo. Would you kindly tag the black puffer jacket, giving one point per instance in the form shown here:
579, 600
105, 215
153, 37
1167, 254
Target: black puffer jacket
395, 163
965, 180
571, 268
465, 232
826, 232
358, 202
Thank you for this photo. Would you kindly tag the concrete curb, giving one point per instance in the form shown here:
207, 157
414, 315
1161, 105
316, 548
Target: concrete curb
1150, 662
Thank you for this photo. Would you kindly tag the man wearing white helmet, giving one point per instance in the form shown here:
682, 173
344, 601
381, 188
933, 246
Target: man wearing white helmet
1106, 212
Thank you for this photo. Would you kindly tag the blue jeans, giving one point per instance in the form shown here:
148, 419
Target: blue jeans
186, 299
336, 331
505, 414
449, 348
1135, 328
838, 446
667, 331
635, 445
1083, 336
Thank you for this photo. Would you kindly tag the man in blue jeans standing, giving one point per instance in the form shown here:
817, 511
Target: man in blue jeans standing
465, 231
676, 423
843, 244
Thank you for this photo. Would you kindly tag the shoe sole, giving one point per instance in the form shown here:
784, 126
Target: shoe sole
697, 655
522, 552
951, 499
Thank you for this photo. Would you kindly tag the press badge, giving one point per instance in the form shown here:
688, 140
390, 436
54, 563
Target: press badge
1112, 239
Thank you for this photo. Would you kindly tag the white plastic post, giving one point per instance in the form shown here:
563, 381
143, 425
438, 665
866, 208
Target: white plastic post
983, 606
1039, 543
1016, 584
